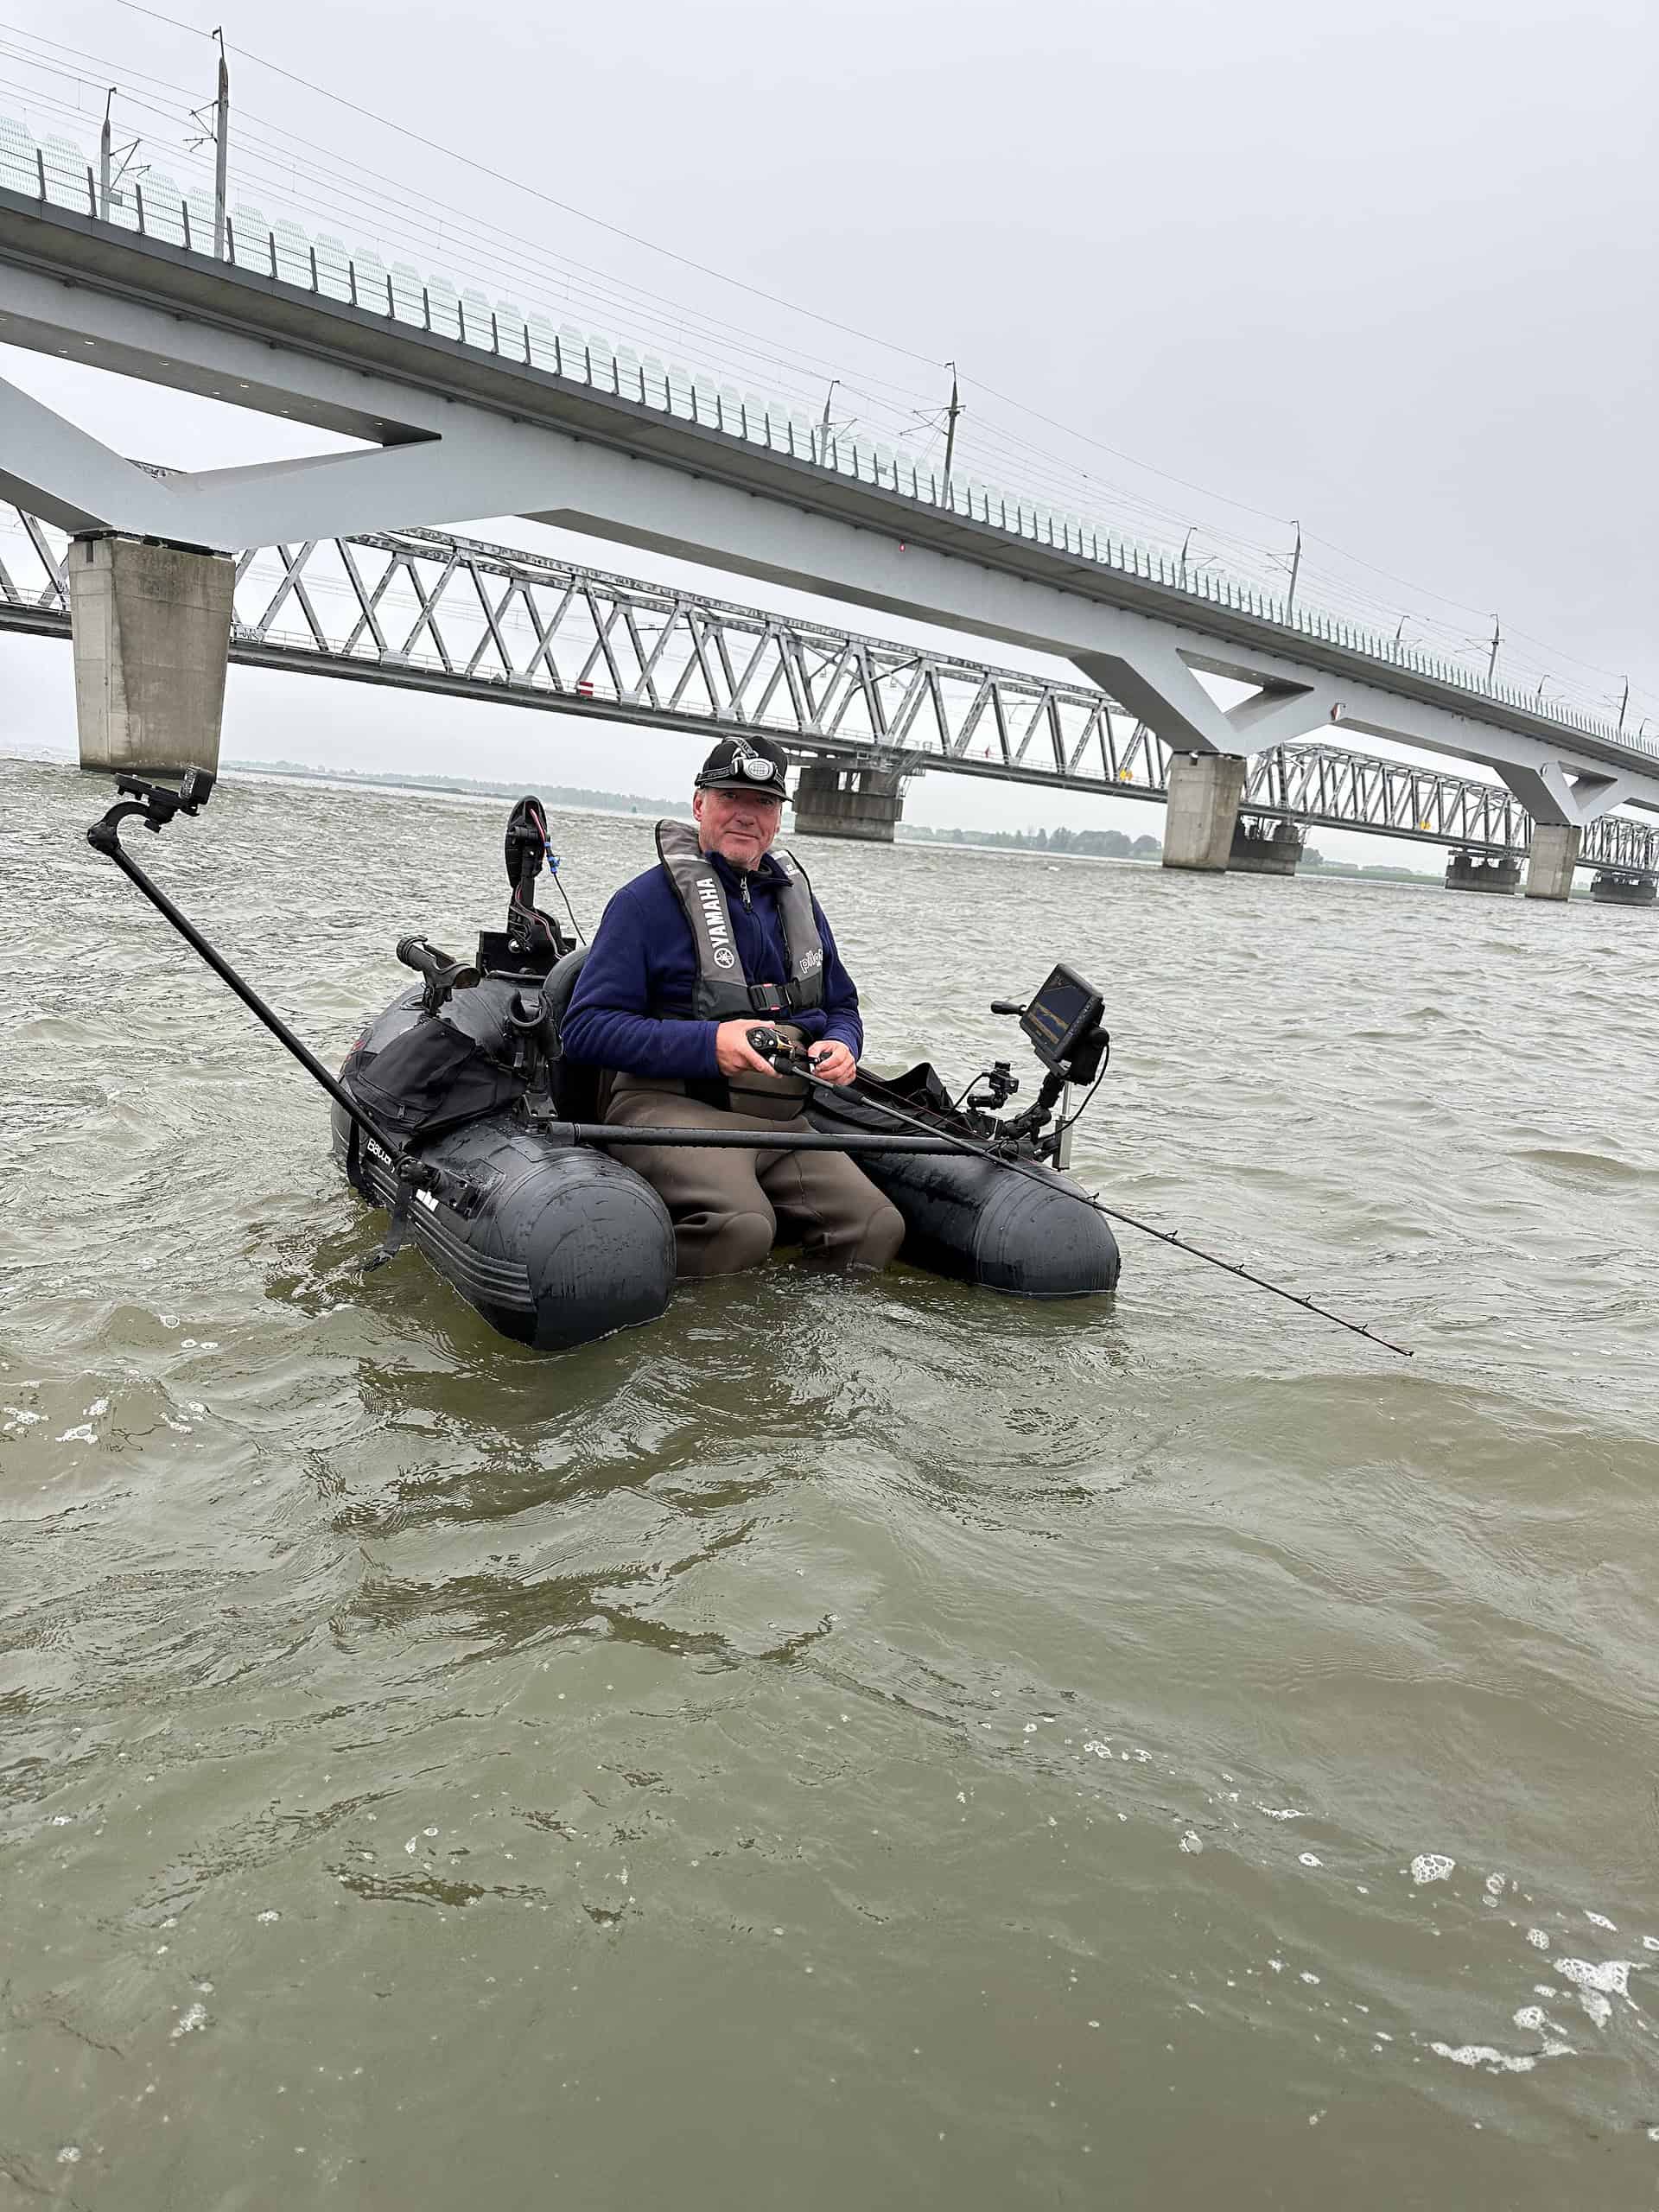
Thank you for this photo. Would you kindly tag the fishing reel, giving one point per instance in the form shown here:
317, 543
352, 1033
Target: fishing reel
1062, 1022
786, 1057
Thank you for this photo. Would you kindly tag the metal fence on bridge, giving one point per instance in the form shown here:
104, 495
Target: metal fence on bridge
419, 609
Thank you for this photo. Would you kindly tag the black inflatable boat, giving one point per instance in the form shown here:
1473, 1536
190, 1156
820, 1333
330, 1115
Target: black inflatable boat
555, 1242
457, 1111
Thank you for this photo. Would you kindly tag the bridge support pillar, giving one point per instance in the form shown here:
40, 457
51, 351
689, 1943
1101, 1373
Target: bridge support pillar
1615, 887
1483, 872
834, 800
1551, 859
1204, 789
151, 630
1264, 847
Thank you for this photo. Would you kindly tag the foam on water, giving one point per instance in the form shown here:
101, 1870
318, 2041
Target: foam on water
1483, 2053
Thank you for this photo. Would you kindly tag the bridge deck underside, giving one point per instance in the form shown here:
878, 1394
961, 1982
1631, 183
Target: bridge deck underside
420, 610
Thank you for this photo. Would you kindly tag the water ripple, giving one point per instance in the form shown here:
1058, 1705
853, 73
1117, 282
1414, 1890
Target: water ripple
844, 1728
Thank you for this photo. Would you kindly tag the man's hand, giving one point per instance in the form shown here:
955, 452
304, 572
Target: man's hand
734, 1054
833, 1062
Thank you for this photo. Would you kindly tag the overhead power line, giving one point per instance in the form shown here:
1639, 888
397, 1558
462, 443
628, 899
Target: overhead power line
548, 199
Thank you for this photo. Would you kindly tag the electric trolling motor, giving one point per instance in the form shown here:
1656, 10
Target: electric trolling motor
525, 951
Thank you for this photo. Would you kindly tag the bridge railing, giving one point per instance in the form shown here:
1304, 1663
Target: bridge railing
55, 172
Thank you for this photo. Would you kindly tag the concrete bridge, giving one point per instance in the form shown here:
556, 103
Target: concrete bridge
466, 417
458, 617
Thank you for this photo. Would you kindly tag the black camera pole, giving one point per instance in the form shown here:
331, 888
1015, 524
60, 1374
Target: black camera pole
156, 805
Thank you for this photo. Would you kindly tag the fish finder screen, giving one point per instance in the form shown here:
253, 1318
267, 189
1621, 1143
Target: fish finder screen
1061, 1015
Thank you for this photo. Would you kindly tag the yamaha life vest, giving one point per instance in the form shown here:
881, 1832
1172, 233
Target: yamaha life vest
723, 991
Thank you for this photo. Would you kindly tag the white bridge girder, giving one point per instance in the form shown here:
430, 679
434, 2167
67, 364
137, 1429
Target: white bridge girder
417, 609
457, 434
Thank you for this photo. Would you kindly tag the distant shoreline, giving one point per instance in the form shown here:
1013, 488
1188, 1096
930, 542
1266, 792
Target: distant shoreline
560, 795
582, 799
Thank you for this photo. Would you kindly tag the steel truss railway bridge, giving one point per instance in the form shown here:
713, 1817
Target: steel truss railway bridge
465, 413
461, 618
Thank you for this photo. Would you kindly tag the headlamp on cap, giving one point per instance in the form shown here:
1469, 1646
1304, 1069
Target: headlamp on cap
737, 765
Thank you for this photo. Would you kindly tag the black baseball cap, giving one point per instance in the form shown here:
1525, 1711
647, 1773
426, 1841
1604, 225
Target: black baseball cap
745, 764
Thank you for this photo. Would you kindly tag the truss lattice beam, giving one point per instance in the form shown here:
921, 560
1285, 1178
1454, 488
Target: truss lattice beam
419, 609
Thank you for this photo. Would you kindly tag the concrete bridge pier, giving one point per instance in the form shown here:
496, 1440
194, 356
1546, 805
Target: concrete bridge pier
151, 630
835, 800
1483, 872
1264, 847
1551, 859
1615, 887
1202, 813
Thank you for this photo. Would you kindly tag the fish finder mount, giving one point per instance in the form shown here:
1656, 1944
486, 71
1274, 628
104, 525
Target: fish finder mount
1063, 1022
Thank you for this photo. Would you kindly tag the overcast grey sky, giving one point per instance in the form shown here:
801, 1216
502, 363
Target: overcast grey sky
1386, 268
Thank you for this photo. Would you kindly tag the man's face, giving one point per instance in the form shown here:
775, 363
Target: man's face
737, 825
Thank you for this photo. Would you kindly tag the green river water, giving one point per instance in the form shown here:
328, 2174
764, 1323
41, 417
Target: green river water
845, 1742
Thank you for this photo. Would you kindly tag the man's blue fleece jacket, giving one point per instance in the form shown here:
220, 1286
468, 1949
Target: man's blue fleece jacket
630, 1006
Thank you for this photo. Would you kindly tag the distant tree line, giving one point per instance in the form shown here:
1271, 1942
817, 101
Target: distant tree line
1374, 873
473, 786
1093, 844
1090, 844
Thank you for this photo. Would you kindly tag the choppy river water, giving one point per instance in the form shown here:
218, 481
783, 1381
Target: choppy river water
865, 1742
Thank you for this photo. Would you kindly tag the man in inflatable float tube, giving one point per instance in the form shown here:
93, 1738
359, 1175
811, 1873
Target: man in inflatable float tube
721, 936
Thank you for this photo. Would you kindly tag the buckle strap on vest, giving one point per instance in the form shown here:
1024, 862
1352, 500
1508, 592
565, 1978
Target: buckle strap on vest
723, 991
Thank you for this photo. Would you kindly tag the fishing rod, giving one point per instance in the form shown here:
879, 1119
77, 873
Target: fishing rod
796, 1064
